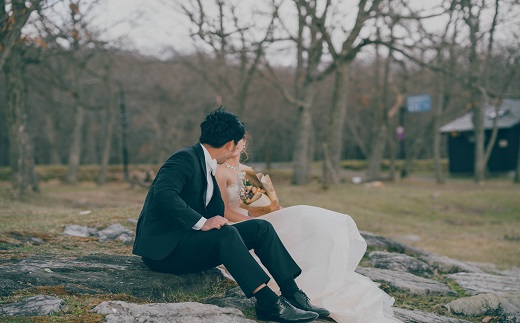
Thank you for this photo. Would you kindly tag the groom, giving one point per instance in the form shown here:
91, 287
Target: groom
181, 228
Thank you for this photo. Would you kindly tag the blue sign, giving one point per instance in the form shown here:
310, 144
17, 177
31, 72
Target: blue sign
419, 103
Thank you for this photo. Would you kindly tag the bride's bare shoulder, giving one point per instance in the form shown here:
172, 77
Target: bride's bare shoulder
226, 176
222, 171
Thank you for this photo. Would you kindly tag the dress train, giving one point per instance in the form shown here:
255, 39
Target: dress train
328, 247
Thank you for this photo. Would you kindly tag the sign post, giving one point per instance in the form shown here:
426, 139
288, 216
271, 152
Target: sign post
419, 103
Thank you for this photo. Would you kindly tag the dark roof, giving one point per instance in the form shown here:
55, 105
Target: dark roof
508, 116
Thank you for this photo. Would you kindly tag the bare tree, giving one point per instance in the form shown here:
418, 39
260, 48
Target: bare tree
12, 61
445, 57
71, 46
234, 52
341, 59
21, 154
479, 72
110, 120
309, 52
12, 22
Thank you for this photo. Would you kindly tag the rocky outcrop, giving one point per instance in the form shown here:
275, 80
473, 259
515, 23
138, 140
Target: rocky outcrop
123, 312
407, 282
397, 266
38, 305
382, 243
234, 298
506, 305
481, 283
447, 265
440, 263
99, 274
414, 316
112, 232
399, 262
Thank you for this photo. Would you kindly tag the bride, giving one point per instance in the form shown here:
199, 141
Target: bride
325, 244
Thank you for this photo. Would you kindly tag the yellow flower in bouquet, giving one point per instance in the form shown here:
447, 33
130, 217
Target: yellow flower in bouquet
257, 193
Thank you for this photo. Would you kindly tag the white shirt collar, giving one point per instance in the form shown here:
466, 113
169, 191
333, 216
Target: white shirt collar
211, 164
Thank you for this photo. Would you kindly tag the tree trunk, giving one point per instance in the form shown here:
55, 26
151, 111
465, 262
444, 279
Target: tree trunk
478, 124
379, 128
21, 158
517, 173
392, 122
332, 152
302, 149
437, 135
392, 148
75, 148
54, 155
478, 107
110, 113
376, 153
90, 149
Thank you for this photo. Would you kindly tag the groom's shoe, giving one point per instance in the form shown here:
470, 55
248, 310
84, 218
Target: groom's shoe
301, 301
283, 311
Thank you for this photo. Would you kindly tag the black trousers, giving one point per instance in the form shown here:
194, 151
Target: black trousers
230, 245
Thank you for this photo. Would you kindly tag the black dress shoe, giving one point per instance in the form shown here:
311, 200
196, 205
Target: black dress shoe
283, 311
301, 301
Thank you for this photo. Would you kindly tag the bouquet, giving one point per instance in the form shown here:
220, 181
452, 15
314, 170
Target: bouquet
257, 193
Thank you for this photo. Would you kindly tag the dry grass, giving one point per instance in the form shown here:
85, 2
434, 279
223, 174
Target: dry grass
46, 214
458, 219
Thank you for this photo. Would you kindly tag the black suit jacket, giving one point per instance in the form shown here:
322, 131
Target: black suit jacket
175, 203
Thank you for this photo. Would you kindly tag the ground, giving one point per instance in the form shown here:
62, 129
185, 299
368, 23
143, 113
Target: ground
459, 219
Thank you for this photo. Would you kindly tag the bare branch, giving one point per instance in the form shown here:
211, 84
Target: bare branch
273, 78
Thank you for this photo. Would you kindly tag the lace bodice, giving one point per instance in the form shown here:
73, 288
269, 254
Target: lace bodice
234, 198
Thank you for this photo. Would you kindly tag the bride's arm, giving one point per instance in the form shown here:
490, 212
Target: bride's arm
229, 213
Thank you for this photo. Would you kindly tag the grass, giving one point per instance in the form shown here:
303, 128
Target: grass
459, 219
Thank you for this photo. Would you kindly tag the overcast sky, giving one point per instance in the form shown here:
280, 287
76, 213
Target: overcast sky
153, 25
147, 28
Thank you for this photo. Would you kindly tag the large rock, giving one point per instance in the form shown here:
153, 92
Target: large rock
480, 283
100, 274
448, 265
33, 306
382, 243
234, 297
116, 231
415, 316
122, 312
441, 263
113, 232
79, 231
399, 262
405, 281
505, 305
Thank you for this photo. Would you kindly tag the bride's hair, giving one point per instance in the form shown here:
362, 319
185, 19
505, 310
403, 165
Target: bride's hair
248, 140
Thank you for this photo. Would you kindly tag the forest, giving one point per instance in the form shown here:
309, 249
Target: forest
313, 80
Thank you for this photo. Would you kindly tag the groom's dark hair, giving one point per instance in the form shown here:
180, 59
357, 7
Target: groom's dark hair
219, 127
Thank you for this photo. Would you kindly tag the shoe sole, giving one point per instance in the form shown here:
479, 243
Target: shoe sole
263, 319
270, 320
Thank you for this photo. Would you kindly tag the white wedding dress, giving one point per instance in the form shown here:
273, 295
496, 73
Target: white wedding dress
328, 247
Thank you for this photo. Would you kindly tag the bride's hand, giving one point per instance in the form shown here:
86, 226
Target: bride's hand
255, 213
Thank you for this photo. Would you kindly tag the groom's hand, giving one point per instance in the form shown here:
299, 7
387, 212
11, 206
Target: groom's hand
215, 222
